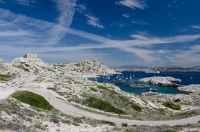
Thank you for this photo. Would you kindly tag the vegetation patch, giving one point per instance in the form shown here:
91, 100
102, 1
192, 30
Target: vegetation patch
177, 100
102, 105
171, 105
51, 88
4, 77
93, 89
136, 107
32, 99
109, 123
102, 87
133, 105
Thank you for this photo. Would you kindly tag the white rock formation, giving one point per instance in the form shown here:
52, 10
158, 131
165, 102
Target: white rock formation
165, 81
194, 88
29, 61
1, 60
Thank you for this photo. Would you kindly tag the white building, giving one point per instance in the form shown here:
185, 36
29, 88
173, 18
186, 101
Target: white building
29, 56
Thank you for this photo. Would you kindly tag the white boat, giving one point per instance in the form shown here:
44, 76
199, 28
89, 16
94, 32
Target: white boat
152, 70
191, 77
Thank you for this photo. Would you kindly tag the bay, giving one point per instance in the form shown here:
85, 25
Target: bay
187, 78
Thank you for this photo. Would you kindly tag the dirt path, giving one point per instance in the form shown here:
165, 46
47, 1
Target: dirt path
73, 111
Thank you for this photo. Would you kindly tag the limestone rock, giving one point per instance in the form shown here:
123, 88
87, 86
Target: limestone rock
194, 88
164, 81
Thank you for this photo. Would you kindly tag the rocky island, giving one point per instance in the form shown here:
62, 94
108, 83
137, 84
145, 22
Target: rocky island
37, 96
163, 81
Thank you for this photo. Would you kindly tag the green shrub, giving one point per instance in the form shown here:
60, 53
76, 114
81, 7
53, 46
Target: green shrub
109, 123
102, 105
93, 89
128, 102
136, 107
32, 99
171, 105
4, 77
177, 100
101, 87
53, 89
55, 119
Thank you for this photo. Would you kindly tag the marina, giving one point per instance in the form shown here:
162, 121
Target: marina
128, 81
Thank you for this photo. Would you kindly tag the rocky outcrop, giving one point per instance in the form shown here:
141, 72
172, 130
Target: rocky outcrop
29, 61
163, 81
85, 68
1, 60
194, 88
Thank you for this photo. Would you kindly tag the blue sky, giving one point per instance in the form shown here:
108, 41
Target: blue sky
116, 32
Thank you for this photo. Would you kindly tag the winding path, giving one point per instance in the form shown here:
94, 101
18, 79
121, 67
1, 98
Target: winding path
73, 111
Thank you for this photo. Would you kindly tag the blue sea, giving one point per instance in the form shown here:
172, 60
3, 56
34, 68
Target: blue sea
187, 78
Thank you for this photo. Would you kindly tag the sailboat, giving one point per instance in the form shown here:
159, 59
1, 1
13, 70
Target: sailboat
130, 76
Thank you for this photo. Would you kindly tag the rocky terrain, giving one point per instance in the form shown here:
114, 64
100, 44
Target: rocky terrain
194, 88
164, 81
80, 104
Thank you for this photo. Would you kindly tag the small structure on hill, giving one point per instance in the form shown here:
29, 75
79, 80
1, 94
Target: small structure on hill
30, 59
28, 56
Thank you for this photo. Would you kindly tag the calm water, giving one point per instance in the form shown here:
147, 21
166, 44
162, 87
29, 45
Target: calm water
186, 79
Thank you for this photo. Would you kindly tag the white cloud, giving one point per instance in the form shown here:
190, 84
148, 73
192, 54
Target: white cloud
26, 2
133, 4
139, 22
2, 1
195, 26
66, 9
125, 15
80, 8
21, 34
14, 33
94, 21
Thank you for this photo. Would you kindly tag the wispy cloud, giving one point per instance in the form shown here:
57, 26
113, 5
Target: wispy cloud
26, 2
139, 22
21, 34
118, 24
133, 4
125, 15
195, 26
14, 33
81, 8
2, 1
94, 21
66, 9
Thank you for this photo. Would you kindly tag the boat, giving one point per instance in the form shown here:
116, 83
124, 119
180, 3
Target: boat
152, 89
130, 76
191, 77
152, 70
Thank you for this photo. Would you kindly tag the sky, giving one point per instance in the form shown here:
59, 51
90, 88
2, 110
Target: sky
115, 32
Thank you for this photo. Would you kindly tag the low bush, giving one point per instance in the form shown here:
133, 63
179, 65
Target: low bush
171, 105
32, 99
93, 89
102, 87
53, 89
109, 123
136, 107
177, 100
102, 105
4, 77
